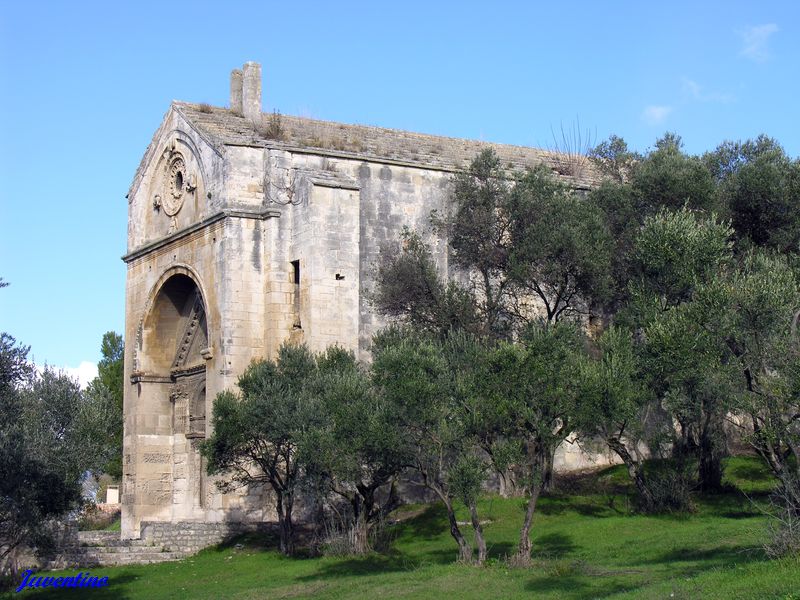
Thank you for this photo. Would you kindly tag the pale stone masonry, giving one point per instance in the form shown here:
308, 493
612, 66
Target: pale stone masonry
246, 230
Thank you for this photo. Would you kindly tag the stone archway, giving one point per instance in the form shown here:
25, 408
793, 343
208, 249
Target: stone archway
173, 355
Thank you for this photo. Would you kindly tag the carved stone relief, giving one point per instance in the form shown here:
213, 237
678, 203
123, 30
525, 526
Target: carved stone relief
156, 491
179, 396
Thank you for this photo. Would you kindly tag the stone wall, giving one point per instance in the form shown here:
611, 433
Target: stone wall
189, 537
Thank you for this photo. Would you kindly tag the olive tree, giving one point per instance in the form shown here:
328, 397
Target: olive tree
532, 387
359, 446
616, 403
261, 435
524, 245
411, 372
677, 254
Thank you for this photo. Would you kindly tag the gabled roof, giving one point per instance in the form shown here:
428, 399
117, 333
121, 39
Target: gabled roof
224, 127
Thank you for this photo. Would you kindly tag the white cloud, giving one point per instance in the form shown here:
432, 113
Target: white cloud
83, 373
694, 91
755, 40
655, 114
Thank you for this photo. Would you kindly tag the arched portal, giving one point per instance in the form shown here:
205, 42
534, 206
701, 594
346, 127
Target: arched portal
175, 334
173, 356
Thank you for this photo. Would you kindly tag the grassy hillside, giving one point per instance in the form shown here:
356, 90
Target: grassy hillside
586, 545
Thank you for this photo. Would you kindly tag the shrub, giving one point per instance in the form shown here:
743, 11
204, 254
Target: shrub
340, 539
274, 129
784, 526
94, 519
670, 487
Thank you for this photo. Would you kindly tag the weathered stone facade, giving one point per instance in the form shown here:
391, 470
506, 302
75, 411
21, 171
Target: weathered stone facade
246, 230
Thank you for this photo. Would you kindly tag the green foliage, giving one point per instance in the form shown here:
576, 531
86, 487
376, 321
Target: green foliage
784, 527
477, 226
613, 388
479, 219
522, 241
679, 256
760, 185
762, 339
106, 392
618, 406
535, 382
623, 212
614, 159
532, 390
730, 156
360, 447
50, 435
668, 178
427, 381
411, 374
675, 252
561, 247
409, 287
466, 477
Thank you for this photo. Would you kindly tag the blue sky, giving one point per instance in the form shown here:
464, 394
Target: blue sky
85, 85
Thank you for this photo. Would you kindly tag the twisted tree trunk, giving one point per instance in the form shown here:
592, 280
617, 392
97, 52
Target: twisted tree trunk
634, 471
284, 506
464, 548
479, 539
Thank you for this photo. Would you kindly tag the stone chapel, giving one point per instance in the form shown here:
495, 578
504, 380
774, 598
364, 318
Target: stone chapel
245, 230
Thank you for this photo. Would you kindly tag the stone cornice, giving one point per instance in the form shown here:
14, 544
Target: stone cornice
141, 377
239, 213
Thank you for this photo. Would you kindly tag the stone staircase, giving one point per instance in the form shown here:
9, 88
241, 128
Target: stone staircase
159, 542
105, 549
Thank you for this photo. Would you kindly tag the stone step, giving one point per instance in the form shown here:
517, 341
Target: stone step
112, 544
116, 550
110, 559
99, 535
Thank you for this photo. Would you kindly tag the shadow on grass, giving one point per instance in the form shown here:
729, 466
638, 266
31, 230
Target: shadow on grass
553, 545
734, 505
749, 471
252, 541
501, 550
579, 586
687, 561
379, 564
557, 504
607, 480
432, 523
269, 541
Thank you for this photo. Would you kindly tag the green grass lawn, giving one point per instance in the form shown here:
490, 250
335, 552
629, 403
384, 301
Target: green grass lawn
586, 546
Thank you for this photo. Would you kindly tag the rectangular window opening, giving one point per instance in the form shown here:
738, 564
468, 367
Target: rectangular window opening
296, 272
296, 281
